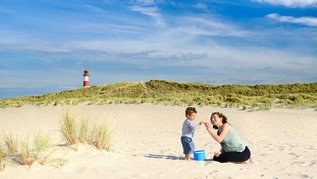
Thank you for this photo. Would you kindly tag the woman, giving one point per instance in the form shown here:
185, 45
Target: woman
233, 149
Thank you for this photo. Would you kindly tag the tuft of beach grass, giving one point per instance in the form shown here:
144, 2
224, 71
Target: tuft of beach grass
10, 142
41, 142
69, 128
82, 130
2, 156
102, 136
25, 155
21, 150
83, 134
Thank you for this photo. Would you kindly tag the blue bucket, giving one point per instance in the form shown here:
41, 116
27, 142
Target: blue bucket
199, 155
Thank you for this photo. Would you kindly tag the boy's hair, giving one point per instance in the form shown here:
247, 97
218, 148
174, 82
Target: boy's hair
190, 110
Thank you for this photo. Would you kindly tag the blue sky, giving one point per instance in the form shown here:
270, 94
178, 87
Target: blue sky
46, 45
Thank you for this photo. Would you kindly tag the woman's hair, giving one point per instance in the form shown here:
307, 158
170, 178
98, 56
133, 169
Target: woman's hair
220, 115
190, 110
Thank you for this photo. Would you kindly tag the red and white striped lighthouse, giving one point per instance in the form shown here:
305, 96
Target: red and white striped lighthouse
86, 78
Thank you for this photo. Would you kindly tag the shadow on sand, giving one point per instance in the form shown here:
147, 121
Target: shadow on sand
168, 157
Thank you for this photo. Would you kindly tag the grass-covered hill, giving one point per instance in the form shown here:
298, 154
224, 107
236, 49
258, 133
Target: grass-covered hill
175, 93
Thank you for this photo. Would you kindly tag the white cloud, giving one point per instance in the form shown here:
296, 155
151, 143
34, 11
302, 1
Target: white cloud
172, 40
31, 46
291, 3
152, 12
309, 21
165, 52
211, 26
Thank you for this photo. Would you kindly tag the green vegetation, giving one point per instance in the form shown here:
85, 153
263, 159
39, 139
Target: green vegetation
101, 136
76, 130
2, 156
21, 150
10, 142
69, 128
174, 93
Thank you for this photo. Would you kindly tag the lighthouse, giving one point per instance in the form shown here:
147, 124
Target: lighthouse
86, 78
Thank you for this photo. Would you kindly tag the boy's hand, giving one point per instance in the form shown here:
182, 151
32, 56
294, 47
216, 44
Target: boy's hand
207, 124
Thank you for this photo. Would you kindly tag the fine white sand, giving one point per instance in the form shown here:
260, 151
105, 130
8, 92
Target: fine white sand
146, 143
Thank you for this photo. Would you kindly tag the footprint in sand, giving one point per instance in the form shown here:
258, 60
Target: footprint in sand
292, 154
281, 148
312, 163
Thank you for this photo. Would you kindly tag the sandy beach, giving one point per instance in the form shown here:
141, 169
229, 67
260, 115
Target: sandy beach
146, 143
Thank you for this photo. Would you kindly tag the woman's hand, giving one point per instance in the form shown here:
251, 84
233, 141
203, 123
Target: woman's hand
217, 153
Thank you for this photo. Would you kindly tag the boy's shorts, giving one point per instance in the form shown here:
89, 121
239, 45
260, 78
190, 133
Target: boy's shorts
188, 145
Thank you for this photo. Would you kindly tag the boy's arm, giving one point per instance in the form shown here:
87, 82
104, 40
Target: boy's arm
196, 125
193, 126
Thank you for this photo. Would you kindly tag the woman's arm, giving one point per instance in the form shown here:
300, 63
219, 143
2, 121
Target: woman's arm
223, 133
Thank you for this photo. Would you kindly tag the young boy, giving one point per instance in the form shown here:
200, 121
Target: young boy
188, 132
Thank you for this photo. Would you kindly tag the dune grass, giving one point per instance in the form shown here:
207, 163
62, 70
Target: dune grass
69, 128
26, 151
101, 136
41, 142
2, 156
255, 97
82, 130
22, 150
10, 142
25, 155
84, 133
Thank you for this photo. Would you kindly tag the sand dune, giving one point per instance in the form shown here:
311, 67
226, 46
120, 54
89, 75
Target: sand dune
146, 143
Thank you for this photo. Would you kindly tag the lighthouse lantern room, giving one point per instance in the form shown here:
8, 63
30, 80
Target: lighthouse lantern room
86, 78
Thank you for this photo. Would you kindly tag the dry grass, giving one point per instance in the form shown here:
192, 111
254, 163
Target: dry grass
25, 155
84, 136
102, 136
69, 128
21, 150
25, 151
2, 156
75, 129
41, 142
10, 142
